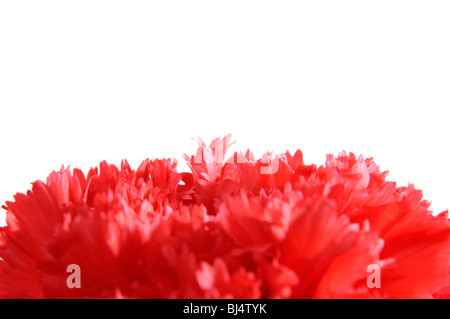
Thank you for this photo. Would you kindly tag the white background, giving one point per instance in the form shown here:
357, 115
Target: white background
84, 81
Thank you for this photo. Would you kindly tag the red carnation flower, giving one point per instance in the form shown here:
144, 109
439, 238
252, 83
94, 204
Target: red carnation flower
240, 228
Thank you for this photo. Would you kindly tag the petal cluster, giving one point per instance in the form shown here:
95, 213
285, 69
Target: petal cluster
235, 228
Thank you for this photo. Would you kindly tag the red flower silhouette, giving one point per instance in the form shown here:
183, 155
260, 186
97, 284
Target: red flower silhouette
240, 228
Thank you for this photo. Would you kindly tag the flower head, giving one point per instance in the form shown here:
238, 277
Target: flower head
241, 228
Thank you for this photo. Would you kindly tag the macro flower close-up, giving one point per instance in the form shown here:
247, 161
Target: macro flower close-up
232, 227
